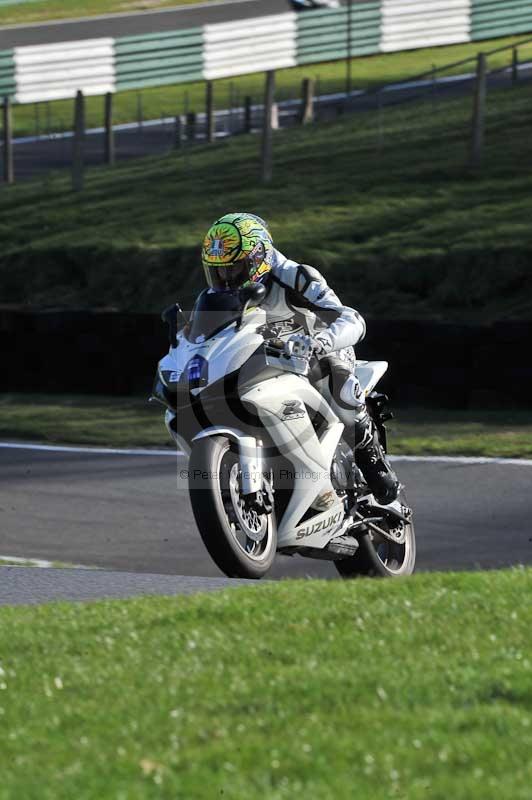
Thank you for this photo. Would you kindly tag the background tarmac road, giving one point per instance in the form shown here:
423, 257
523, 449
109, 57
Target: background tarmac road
132, 513
138, 23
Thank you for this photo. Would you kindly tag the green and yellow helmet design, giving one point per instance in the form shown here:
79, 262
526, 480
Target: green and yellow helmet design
237, 250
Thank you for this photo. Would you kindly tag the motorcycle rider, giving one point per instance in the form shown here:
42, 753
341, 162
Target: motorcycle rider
238, 250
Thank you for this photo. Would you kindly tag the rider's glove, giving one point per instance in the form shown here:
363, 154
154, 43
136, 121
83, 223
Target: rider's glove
304, 346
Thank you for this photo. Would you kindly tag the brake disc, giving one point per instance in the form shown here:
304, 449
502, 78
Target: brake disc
252, 524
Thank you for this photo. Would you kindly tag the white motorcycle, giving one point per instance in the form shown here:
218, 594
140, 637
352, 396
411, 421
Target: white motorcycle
268, 470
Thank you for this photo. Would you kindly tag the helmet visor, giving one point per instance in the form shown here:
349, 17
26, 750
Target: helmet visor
229, 276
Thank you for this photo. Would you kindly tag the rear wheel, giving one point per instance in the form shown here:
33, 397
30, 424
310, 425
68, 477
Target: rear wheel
240, 540
380, 556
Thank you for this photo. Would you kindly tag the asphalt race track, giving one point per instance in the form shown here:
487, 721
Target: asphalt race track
125, 24
131, 513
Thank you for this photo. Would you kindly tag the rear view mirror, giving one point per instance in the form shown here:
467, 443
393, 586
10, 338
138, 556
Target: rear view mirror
252, 294
174, 318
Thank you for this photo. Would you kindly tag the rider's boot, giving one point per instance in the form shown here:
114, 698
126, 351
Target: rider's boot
370, 457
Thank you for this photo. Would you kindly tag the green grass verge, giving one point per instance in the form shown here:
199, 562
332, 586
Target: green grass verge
383, 204
42, 10
474, 432
165, 101
370, 690
104, 421
131, 422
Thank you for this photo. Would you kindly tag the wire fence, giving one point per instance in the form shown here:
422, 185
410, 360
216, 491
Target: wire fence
48, 143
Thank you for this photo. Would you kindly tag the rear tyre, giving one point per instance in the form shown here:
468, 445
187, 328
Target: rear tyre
241, 542
379, 557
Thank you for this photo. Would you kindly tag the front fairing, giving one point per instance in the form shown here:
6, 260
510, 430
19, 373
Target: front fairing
224, 353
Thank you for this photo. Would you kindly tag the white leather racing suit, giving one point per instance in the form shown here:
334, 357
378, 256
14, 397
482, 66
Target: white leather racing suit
299, 300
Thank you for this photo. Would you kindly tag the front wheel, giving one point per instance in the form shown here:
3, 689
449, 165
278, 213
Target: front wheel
241, 541
380, 557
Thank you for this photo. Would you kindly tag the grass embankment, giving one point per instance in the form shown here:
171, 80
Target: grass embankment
131, 422
383, 204
166, 101
411, 689
42, 10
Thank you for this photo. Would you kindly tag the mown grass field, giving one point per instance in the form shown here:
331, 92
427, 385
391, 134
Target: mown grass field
384, 204
132, 422
166, 101
43, 10
410, 689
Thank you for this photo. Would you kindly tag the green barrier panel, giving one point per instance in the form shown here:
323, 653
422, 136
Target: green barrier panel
159, 59
8, 84
491, 18
323, 35
155, 41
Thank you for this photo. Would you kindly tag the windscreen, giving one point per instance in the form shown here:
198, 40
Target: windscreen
212, 312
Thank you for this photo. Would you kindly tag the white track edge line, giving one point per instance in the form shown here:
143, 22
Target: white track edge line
41, 563
520, 462
95, 450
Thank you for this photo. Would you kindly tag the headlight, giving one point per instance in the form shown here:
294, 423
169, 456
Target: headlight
197, 372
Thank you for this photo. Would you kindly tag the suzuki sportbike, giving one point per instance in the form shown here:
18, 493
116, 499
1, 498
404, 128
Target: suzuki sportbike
268, 469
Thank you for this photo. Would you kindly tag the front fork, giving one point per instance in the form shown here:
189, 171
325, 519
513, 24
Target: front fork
249, 456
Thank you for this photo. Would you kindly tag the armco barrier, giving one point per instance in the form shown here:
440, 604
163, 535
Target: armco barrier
159, 59
53, 71
323, 35
7, 73
438, 364
254, 45
423, 23
491, 18
226, 49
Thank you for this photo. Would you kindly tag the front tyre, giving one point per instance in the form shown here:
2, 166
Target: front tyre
241, 541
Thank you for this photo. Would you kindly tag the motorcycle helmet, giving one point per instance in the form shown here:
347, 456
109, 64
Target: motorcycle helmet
237, 250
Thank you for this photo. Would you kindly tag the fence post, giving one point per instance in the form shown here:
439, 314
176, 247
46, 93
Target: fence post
78, 142
380, 130
178, 132
348, 81
191, 126
109, 132
9, 172
267, 129
515, 66
230, 123
37, 117
209, 111
479, 112
248, 111
139, 110
275, 117
307, 110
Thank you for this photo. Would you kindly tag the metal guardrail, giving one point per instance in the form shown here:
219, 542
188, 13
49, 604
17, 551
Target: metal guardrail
45, 72
159, 59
